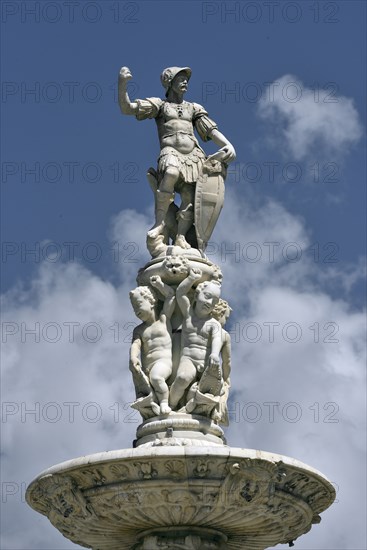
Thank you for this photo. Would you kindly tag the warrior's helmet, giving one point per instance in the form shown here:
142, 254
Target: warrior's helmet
169, 74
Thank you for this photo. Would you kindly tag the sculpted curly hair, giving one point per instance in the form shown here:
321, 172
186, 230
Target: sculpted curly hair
221, 308
145, 292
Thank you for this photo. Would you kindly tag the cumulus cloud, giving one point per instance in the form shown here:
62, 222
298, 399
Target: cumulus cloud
298, 366
305, 120
60, 384
298, 358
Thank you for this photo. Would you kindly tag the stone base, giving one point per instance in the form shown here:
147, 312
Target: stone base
187, 538
179, 429
173, 269
164, 497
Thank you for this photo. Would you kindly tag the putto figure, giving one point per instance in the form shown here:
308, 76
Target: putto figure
151, 347
181, 160
201, 334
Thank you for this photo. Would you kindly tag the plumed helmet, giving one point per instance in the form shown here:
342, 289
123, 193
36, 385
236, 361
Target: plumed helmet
169, 74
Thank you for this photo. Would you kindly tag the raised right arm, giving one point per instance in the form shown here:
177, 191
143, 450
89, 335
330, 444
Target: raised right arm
184, 287
127, 107
167, 292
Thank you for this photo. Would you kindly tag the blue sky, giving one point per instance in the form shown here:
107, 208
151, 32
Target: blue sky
285, 81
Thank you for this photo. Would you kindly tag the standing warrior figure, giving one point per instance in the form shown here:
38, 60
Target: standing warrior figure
181, 157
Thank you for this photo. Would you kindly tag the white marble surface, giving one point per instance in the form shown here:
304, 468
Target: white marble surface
254, 498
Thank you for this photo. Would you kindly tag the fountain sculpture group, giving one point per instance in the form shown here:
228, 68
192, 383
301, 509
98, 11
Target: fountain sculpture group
181, 487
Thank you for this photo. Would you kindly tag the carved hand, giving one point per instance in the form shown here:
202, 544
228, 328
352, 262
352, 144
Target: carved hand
195, 273
214, 360
136, 365
225, 154
156, 281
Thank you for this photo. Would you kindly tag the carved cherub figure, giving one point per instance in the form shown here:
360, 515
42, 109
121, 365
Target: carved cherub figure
221, 312
151, 348
210, 393
201, 334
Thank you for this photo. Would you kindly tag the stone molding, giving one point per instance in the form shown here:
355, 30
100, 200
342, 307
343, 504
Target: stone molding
109, 500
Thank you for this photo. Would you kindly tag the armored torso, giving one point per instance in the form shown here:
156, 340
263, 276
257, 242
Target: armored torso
176, 122
175, 126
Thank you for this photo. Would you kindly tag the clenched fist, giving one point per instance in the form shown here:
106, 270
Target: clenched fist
125, 73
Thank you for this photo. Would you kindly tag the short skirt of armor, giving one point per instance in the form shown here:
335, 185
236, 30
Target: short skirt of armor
188, 165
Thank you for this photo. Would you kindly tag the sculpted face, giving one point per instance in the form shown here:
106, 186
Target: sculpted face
207, 297
224, 317
142, 307
179, 83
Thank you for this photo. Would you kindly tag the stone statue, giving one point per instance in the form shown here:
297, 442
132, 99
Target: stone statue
209, 395
201, 334
181, 487
151, 348
182, 162
180, 353
185, 369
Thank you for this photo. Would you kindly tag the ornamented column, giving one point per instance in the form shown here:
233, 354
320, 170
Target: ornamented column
181, 487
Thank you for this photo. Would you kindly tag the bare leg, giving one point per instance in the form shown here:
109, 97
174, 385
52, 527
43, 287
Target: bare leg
164, 197
158, 376
185, 215
186, 374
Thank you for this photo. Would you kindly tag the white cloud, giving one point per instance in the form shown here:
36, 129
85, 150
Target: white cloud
306, 120
313, 364
128, 231
69, 384
323, 379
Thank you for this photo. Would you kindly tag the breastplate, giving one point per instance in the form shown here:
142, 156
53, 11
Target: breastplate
180, 111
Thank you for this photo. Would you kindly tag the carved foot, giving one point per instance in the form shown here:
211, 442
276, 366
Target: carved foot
165, 408
157, 246
182, 242
156, 230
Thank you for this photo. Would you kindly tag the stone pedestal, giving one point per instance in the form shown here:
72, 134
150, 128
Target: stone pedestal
179, 429
181, 497
191, 538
